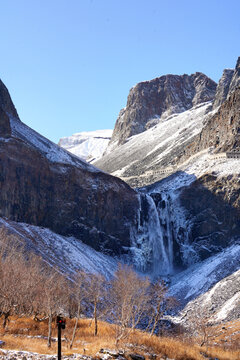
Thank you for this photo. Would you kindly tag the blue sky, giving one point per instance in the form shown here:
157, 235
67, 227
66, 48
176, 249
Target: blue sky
69, 64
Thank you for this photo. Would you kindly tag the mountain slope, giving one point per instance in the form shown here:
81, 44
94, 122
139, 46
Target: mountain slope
44, 185
140, 160
66, 254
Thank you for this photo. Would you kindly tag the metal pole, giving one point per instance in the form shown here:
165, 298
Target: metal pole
59, 340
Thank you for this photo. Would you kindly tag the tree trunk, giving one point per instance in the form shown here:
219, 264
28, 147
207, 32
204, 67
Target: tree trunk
95, 319
49, 330
75, 326
6, 318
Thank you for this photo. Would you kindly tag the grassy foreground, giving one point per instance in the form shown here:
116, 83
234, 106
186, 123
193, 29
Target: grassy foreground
27, 334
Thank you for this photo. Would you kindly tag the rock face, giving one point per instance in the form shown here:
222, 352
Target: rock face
228, 83
150, 101
221, 131
6, 108
212, 205
236, 77
43, 185
223, 87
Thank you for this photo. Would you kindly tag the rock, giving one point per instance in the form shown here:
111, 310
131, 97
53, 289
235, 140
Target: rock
6, 103
137, 357
150, 101
221, 131
214, 217
113, 353
235, 79
223, 87
5, 128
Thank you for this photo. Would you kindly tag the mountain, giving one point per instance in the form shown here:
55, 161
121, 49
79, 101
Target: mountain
42, 184
89, 145
150, 102
142, 154
186, 168
147, 157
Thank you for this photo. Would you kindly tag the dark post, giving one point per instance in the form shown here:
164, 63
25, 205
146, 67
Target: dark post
61, 325
59, 340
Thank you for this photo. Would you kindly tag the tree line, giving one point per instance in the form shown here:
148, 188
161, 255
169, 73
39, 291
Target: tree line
30, 287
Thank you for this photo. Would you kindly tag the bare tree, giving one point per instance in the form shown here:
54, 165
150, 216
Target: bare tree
12, 269
95, 289
128, 300
159, 304
54, 297
79, 294
201, 327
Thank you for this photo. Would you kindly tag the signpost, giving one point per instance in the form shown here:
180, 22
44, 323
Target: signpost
61, 323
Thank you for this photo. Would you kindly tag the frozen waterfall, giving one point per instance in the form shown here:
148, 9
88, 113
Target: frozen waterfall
152, 241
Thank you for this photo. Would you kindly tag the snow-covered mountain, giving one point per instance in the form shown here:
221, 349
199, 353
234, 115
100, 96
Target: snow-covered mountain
150, 101
88, 145
143, 157
189, 165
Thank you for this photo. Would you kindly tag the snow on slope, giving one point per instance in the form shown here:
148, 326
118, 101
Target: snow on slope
51, 151
89, 145
200, 277
156, 147
218, 301
68, 253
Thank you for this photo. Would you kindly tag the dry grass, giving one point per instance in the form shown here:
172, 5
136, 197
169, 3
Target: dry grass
18, 331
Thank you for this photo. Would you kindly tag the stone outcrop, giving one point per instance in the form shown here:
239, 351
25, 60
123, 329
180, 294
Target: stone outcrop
69, 199
150, 101
6, 103
236, 78
221, 131
228, 83
213, 211
223, 87
6, 109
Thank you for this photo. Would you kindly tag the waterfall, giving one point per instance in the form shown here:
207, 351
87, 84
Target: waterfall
161, 260
152, 240
161, 241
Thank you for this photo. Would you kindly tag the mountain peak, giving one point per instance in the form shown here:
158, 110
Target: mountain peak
156, 99
6, 103
6, 109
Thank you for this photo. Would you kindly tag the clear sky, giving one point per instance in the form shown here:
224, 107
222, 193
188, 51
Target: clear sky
69, 64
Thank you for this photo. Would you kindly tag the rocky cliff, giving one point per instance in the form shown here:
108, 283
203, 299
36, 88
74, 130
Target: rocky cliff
150, 101
221, 131
235, 82
223, 87
41, 184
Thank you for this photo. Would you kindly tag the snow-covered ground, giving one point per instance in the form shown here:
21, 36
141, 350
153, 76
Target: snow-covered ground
200, 277
68, 253
211, 289
88, 145
158, 146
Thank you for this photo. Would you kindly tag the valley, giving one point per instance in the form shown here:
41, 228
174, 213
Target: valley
161, 194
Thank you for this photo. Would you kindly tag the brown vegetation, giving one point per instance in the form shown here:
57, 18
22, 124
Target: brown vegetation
32, 295
17, 330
